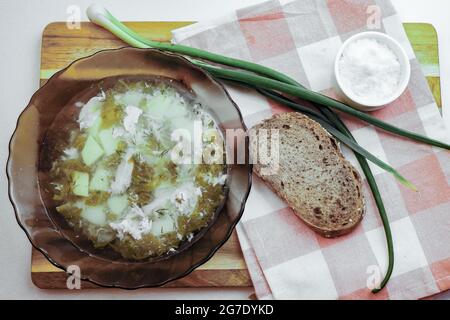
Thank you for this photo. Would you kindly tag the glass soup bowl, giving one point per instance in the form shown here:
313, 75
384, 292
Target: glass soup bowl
49, 232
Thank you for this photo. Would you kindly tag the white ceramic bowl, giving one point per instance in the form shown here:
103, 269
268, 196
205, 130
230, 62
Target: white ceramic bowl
365, 104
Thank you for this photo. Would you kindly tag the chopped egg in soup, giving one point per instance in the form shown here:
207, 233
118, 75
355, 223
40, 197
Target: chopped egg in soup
115, 178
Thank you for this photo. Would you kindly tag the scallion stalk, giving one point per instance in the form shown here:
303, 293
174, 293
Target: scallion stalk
270, 84
276, 81
104, 18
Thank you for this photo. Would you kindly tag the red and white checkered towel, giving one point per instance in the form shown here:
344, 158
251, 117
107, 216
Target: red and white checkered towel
285, 258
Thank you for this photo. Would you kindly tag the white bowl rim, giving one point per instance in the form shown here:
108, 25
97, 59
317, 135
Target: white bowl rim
402, 56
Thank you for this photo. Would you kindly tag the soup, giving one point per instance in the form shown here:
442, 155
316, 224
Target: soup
127, 173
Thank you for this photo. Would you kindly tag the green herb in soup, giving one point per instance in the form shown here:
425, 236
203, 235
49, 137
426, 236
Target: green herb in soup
122, 181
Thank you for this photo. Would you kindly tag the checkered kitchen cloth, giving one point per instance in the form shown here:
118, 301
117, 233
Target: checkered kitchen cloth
285, 258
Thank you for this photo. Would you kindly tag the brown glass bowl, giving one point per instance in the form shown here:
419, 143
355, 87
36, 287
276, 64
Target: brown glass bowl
53, 236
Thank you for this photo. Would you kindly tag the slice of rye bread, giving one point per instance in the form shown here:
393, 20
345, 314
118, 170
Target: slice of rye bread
313, 177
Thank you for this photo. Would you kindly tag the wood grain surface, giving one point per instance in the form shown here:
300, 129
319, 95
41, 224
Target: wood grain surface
226, 268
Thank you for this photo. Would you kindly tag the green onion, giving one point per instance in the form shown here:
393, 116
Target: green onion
314, 97
104, 18
376, 194
277, 81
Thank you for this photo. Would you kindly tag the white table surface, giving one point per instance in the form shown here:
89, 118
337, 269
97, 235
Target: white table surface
21, 25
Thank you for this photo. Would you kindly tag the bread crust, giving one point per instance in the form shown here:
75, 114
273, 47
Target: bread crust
295, 118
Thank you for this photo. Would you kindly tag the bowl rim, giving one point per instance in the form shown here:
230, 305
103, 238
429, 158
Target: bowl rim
9, 175
401, 55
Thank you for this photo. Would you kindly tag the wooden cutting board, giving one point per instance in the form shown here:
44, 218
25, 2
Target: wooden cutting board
226, 268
